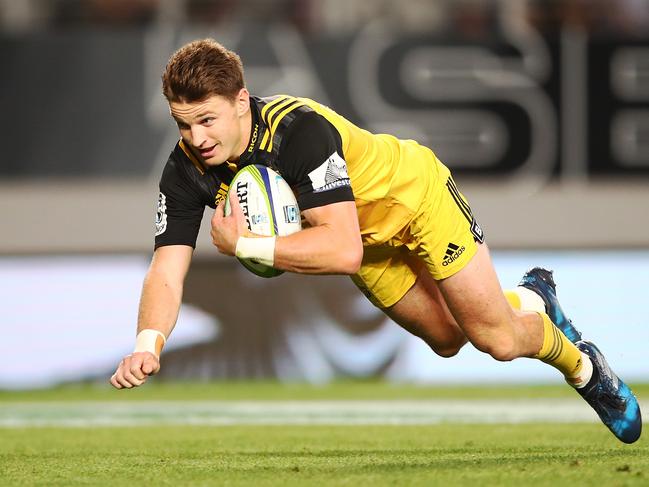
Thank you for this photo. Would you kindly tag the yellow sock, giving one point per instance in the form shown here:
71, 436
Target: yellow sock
513, 298
559, 352
524, 299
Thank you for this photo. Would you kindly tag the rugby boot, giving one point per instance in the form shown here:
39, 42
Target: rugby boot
611, 398
541, 282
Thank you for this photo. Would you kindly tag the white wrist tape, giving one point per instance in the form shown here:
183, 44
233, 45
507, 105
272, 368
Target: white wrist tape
261, 249
150, 340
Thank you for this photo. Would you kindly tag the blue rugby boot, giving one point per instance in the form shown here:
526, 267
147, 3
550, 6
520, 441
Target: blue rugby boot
541, 282
611, 398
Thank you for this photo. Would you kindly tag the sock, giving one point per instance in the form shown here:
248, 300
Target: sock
513, 298
585, 375
563, 355
525, 299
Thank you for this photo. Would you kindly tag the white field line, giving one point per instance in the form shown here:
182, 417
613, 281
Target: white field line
147, 413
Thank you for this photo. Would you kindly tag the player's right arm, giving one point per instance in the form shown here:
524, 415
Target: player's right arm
181, 203
159, 305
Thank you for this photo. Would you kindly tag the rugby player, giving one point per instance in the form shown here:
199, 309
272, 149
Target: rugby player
385, 211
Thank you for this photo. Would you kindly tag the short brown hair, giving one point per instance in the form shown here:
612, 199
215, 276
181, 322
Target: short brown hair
201, 69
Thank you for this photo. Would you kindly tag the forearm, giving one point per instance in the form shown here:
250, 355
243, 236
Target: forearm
163, 288
318, 250
331, 245
159, 303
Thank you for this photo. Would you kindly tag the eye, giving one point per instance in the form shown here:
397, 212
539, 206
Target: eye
207, 121
182, 125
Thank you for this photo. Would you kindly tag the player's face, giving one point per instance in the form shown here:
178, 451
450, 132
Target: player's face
214, 127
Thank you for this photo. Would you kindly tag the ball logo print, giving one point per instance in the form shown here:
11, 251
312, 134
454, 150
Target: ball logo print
258, 219
270, 208
242, 196
291, 214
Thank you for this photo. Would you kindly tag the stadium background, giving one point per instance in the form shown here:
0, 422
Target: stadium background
540, 107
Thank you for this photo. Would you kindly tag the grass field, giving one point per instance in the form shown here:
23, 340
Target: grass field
443, 453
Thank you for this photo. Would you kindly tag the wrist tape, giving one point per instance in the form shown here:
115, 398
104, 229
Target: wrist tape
261, 249
150, 340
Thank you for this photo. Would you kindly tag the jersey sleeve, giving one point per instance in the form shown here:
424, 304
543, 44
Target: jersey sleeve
311, 160
180, 210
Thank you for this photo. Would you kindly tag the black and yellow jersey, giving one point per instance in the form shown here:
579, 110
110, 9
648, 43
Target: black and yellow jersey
324, 157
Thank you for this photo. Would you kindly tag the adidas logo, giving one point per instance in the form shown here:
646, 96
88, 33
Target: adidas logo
452, 252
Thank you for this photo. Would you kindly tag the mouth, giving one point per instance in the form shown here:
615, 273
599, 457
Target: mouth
208, 152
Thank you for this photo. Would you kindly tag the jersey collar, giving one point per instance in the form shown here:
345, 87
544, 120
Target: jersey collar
257, 130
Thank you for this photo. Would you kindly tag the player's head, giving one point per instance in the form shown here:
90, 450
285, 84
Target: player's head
202, 69
203, 83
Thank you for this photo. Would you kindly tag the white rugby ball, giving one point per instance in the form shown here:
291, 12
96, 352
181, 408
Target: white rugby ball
269, 206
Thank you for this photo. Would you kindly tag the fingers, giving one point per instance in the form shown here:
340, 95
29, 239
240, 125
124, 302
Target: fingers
218, 213
217, 221
134, 369
240, 219
150, 366
237, 212
119, 381
114, 382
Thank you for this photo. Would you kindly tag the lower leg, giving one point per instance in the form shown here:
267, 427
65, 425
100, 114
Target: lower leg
563, 355
588, 371
557, 350
494, 323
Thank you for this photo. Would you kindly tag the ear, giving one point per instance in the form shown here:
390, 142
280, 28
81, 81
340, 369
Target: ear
243, 102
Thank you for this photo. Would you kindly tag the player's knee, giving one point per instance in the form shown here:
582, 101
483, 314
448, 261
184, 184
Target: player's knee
446, 352
449, 348
501, 348
449, 345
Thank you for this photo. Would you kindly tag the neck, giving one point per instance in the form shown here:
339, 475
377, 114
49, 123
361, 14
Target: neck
245, 127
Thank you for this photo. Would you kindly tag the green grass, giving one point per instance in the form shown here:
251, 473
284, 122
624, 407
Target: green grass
474, 455
349, 390
446, 454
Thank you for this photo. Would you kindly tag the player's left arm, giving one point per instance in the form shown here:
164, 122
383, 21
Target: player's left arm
331, 245
311, 160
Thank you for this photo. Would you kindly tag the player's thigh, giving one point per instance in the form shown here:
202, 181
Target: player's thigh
445, 234
450, 243
475, 298
423, 312
400, 285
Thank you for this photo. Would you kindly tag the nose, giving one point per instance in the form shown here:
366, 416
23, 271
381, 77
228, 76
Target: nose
198, 136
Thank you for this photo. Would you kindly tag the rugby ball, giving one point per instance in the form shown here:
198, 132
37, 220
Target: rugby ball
269, 205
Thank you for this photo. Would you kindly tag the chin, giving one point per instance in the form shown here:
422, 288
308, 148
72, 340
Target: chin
214, 161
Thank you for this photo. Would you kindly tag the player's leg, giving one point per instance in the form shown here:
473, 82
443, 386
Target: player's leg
402, 288
609, 396
537, 292
468, 282
475, 298
450, 243
423, 312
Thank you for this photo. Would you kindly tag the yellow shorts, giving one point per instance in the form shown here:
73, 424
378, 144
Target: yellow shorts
443, 235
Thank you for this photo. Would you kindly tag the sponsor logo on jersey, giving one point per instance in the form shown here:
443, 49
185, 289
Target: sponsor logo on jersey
331, 174
221, 194
452, 253
476, 230
253, 138
161, 215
